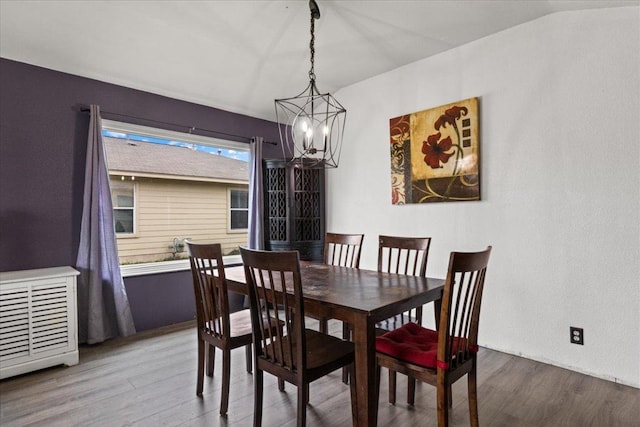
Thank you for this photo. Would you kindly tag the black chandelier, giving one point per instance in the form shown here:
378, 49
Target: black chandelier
311, 124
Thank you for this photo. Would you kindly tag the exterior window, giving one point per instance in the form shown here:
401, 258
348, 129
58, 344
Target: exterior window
171, 187
238, 209
122, 197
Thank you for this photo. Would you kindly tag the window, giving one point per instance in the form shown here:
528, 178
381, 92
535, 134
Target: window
168, 187
238, 210
122, 197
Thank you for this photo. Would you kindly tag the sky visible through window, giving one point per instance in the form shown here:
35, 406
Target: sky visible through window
233, 154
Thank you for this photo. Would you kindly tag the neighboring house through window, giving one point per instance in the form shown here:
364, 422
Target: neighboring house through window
168, 187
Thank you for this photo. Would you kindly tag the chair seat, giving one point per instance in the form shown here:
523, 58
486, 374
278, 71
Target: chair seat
414, 344
322, 350
240, 323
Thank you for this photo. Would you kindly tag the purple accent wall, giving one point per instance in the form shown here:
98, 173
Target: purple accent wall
43, 140
167, 299
160, 299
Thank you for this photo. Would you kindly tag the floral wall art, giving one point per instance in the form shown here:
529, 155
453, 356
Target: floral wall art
435, 154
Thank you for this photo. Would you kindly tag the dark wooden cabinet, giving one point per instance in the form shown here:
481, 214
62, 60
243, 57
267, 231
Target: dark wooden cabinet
294, 217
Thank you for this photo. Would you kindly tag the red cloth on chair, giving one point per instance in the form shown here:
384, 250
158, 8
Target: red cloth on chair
414, 344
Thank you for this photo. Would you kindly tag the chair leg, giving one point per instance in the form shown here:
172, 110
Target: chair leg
346, 335
473, 397
303, 399
280, 384
257, 398
411, 390
248, 356
443, 404
226, 379
354, 399
200, 373
378, 372
211, 358
392, 386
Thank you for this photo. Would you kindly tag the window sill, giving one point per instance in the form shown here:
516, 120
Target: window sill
132, 270
126, 235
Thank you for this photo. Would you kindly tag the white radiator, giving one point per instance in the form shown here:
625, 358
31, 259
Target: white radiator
38, 320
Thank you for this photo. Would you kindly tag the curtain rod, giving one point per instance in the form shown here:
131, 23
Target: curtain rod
191, 129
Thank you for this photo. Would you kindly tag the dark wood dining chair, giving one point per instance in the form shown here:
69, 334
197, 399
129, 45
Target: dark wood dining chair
342, 250
442, 357
297, 355
216, 326
402, 255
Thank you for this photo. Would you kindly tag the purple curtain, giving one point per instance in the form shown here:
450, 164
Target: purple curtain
103, 306
256, 195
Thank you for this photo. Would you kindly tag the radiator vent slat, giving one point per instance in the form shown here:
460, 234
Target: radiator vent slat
21, 304
12, 341
14, 330
10, 315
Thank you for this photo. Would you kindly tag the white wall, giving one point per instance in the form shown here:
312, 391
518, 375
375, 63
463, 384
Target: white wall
560, 175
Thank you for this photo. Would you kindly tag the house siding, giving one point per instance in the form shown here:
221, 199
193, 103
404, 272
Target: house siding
169, 209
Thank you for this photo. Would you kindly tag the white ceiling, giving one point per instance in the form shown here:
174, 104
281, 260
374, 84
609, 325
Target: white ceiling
241, 55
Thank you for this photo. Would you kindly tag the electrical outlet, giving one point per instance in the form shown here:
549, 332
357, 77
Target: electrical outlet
577, 335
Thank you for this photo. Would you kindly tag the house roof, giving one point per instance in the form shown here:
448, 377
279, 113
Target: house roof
167, 161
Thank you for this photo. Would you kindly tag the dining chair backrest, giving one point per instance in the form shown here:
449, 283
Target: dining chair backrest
210, 289
274, 285
342, 249
275, 292
460, 314
403, 255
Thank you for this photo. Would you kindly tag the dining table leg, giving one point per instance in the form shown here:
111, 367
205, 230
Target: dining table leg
365, 371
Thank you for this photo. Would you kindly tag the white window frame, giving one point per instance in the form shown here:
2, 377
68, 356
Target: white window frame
231, 209
135, 220
142, 269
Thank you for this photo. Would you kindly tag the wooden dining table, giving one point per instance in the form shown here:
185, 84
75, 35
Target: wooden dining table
361, 298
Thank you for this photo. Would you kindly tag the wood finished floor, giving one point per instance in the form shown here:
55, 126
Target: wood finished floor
149, 380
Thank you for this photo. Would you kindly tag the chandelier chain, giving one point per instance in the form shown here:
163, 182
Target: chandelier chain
312, 74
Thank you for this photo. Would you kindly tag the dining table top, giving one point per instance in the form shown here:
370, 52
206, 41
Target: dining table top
366, 291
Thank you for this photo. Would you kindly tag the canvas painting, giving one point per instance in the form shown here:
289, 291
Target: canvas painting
435, 154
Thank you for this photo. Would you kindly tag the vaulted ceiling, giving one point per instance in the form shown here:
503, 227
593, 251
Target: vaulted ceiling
241, 55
